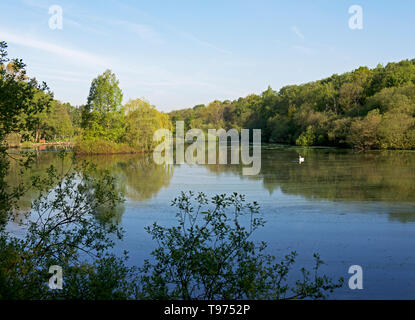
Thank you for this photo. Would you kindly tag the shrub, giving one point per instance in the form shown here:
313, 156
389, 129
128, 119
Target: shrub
209, 256
101, 146
67, 228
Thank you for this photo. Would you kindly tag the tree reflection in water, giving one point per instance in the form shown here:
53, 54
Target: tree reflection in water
138, 177
328, 174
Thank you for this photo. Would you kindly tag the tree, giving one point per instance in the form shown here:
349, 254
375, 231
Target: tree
70, 226
209, 255
213, 113
364, 132
73, 221
62, 127
54, 123
103, 117
17, 98
350, 95
17, 94
397, 131
142, 120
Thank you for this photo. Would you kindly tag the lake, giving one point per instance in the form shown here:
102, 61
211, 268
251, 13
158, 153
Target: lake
352, 208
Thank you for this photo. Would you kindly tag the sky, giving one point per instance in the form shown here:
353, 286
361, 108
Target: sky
178, 54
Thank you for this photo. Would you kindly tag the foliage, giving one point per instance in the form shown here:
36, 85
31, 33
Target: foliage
306, 138
109, 127
364, 132
209, 255
27, 109
72, 222
142, 121
17, 98
90, 145
70, 225
328, 112
54, 123
103, 116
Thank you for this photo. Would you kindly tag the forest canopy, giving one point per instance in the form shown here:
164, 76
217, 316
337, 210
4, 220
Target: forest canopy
363, 109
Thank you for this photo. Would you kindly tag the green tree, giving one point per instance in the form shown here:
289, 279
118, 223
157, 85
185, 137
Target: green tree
142, 120
307, 138
70, 226
103, 116
17, 98
397, 131
321, 112
54, 123
209, 255
364, 133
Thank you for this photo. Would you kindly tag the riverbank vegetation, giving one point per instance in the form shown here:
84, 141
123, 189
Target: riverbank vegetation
102, 126
72, 223
363, 109
110, 127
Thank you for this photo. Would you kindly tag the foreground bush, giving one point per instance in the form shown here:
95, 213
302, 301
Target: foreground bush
208, 255
69, 225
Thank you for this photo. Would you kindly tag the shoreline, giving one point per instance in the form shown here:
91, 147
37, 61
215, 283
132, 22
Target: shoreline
43, 146
29, 145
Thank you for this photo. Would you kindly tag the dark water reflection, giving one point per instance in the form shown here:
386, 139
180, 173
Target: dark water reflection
333, 174
352, 208
138, 176
327, 174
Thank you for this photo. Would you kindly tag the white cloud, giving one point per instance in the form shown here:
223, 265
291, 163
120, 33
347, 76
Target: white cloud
74, 55
297, 31
145, 32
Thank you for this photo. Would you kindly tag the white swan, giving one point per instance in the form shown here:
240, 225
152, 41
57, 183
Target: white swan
300, 159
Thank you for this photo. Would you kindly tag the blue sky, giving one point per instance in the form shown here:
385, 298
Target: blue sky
178, 53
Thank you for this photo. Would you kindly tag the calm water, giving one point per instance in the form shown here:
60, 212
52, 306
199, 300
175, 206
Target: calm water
352, 208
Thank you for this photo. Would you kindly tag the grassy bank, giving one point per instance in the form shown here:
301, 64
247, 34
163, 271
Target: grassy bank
100, 146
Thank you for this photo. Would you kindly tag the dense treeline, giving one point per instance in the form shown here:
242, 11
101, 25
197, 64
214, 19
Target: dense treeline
364, 109
47, 119
102, 126
57, 122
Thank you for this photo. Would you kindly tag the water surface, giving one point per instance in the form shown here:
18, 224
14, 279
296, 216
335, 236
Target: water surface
352, 208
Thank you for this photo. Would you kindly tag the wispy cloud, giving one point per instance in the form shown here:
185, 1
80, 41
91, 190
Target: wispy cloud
145, 32
297, 31
74, 55
174, 28
203, 43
